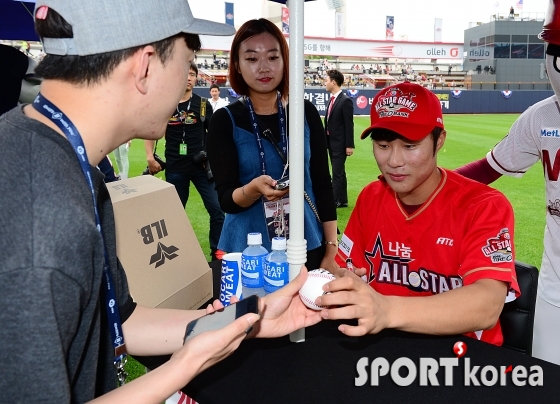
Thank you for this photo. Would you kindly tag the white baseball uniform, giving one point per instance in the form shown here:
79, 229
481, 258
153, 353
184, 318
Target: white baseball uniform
535, 136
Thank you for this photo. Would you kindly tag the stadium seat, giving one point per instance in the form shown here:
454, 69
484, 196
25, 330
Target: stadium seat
518, 316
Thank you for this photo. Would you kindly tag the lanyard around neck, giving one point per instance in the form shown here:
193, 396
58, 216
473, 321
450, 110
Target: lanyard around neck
184, 118
256, 130
50, 111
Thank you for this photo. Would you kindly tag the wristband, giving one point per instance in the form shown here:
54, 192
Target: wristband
335, 243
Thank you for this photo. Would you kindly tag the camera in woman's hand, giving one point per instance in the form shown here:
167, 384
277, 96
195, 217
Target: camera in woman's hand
282, 183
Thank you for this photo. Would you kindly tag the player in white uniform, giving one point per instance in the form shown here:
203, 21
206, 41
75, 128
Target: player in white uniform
535, 136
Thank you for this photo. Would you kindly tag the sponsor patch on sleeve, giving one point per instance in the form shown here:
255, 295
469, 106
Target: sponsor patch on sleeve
498, 248
345, 245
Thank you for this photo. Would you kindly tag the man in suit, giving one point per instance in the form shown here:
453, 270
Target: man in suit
339, 127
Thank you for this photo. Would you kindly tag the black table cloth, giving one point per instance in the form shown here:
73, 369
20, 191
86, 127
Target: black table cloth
323, 370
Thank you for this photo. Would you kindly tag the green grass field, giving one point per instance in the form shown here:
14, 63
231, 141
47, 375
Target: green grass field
469, 137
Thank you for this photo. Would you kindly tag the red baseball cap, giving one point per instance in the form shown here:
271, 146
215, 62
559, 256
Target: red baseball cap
406, 108
551, 27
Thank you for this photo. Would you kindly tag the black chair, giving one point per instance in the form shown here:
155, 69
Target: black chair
518, 316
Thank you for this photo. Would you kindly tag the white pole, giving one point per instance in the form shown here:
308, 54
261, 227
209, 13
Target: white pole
297, 245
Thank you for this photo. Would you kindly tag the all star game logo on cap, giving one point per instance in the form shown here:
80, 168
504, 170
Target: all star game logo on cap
395, 102
407, 109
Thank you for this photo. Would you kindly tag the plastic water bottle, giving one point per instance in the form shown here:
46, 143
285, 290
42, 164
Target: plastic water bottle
252, 266
276, 271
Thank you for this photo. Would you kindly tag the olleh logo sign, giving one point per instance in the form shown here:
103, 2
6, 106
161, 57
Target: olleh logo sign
427, 370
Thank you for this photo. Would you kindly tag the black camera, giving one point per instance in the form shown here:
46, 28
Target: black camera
159, 161
283, 183
201, 157
209, 175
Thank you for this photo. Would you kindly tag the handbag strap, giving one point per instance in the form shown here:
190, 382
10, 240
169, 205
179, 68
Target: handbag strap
312, 206
266, 134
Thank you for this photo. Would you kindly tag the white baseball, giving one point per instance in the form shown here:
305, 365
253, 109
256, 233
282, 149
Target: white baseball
313, 287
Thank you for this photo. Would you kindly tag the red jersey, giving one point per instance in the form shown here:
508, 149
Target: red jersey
461, 234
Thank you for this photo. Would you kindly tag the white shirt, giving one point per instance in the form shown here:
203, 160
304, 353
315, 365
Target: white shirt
333, 96
336, 94
216, 105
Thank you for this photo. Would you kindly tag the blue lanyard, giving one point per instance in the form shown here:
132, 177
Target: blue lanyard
256, 131
50, 111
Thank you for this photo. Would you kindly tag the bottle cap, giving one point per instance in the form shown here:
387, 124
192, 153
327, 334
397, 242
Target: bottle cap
254, 238
279, 243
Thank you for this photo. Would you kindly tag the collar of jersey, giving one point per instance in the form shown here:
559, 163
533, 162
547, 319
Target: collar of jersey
428, 202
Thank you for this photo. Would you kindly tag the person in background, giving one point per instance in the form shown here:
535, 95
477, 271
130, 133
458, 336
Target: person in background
18, 83
121, 158
25, 47
533, 138
248, 150
435, 249
66, 314
106, 167
185, 156
339, 128
216, 101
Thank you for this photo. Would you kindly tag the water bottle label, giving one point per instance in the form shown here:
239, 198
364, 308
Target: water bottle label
252, 270
230, 282
276, 275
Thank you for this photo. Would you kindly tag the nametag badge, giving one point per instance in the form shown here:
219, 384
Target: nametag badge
183, 149
277, 215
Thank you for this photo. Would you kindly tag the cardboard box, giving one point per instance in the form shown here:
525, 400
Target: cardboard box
156, 245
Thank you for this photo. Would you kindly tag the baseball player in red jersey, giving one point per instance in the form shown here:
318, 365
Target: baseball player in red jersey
535, 136
436, 247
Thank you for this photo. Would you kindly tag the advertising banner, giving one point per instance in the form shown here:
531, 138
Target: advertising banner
389, 26
438, 23
453, 101
285, 20
229, 14
339, 28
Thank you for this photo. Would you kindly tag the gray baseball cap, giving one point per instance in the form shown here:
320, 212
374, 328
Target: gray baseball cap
101, 26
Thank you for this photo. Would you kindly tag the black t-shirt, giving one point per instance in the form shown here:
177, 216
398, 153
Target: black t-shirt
186, 125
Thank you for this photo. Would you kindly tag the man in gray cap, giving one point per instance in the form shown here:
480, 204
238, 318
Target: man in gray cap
114, 70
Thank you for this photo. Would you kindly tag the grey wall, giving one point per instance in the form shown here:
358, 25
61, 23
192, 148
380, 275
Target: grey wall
507, 70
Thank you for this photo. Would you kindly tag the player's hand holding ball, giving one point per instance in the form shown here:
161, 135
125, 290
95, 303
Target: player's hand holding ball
313, 287
349, 297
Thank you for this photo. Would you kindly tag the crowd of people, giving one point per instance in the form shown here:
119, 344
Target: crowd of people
416, 236
355, 76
